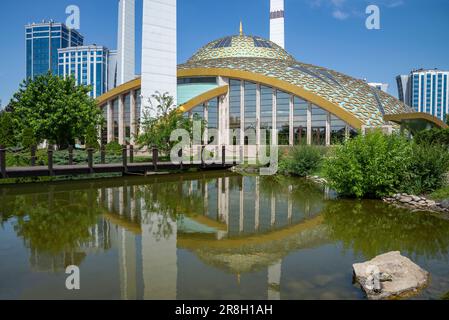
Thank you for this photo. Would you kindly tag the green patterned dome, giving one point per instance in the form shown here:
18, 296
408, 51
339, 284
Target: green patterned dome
241, 46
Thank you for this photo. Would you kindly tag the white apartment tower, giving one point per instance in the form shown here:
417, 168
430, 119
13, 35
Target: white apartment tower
159, 49
277, 22
126, 41
426, 90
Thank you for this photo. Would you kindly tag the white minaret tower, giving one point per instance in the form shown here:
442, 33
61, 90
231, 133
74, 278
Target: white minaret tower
159, 49
277, 18
126, 42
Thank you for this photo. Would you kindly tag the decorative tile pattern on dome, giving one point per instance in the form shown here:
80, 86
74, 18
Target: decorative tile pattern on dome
352, 95
241, 47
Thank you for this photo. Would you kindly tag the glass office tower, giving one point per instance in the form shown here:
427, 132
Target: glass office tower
42, 43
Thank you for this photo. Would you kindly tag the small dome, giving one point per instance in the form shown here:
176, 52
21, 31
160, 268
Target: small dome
241, 46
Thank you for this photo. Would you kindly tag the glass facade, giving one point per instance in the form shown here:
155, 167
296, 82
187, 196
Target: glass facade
42, 44
325, 128
89, 66
250, 113
212, 121
266, 114
319, 118
234, 111
282, 117
300, 107
429, 92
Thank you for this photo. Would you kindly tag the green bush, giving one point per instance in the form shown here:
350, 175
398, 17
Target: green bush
7, 130
427, 169
371, 165
377, 165
433, 136
114, 148
301, 160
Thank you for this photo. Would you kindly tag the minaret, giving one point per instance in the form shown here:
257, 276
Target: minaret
277, 29
126, 41
159, 49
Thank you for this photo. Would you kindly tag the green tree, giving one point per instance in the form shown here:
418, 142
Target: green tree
7, 130
28, 138
160, 121
57, 109
92, 137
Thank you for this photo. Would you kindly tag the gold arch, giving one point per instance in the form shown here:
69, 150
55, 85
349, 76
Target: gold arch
190, 242
333, 108
192, 103
398, 118
122, 89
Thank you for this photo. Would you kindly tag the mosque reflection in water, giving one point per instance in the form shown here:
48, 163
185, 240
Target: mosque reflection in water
235, 225
214, 218
203, 236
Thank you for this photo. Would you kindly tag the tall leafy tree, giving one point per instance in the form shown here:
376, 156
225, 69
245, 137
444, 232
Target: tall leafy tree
7, 130
56, 109
160, 120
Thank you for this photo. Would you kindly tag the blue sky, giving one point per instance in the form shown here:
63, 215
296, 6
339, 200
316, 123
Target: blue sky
330, 33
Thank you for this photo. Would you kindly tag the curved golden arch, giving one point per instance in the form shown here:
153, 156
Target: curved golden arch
122, 89
202, 98
276, 235
333, 108
398, 118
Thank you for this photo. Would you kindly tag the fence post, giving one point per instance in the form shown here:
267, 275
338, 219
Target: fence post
70, 155
131, 153
2, 162
180, 154
103, 154
223, 155
155, 158
203, 163
125, 158
33, 156
242, 160
90, 159
50, 159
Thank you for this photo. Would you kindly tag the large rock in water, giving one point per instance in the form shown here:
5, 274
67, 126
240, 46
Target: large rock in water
390, 276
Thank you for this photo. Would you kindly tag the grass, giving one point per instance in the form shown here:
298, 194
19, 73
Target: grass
440, 194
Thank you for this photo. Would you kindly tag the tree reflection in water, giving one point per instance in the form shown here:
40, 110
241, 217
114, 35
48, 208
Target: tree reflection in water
54, 225
370, 228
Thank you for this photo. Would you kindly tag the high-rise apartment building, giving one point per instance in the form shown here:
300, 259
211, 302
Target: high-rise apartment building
42, 43
89, 66
426, 90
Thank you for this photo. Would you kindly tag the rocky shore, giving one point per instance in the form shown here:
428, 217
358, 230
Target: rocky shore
318, 180
417, 203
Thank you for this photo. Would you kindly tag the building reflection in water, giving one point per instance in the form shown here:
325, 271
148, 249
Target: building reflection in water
201, 236
217, 219
214, 235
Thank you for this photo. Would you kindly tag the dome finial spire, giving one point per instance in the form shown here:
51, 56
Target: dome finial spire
241, 28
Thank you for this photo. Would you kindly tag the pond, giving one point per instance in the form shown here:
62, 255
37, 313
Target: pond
212, 235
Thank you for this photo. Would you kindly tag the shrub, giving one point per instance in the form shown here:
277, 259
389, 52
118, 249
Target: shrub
28, 138
427, 169
113, 148
433, 136
7, 130
92, 138
301, 160
371, 165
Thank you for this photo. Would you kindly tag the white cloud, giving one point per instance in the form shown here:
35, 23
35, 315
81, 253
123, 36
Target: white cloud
340, 15
395, 3
344, 9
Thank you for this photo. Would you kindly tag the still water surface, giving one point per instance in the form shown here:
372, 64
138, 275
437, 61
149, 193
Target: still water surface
204, 236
